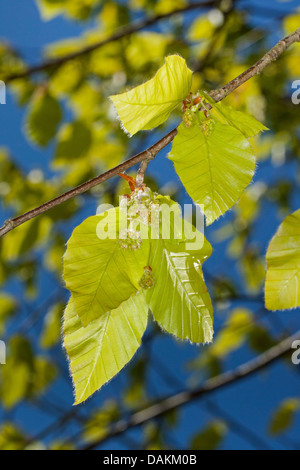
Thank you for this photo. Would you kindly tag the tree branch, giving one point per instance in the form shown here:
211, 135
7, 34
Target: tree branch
152, 151
215, 383
123, 32
257, 68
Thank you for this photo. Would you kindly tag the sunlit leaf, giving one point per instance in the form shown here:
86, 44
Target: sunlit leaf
248, 125
7, 309
100, 273
101, 350
44, 115
179, 299
52, 325
215, 168
73, 142
150, 104
283, 261
233, 334
284, 415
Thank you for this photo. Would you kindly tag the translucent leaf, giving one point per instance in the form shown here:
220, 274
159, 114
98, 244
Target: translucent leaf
283, 261
100, 273
214, 168
101, 350
284, 416
201, 29
44, 115
146, 49
150, 104
248, 125
179, 299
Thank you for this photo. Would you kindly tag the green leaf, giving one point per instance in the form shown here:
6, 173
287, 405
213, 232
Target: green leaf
211, 437
15, 376
50, 8
44, 373
100, 273
233, 333
284, 416
43, 118
214, 168
98, 425
245, 123
11, 437
179, 299
101, 350
7, 309
24, 374
52, 326
283, 261
149, 105
73, 143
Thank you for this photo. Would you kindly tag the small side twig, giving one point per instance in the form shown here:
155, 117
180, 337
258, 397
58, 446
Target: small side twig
142, 169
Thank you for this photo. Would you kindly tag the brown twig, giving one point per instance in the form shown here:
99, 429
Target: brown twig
217, 95
153, 150
257, 68
142, 169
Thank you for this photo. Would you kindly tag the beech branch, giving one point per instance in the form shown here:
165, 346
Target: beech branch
211, 385
152, 151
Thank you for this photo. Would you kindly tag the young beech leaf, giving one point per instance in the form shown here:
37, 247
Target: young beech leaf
164, 273
43, 118
179, 299
101, 350
150, 104
100, 273
215, 164
283, 266
248, 125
